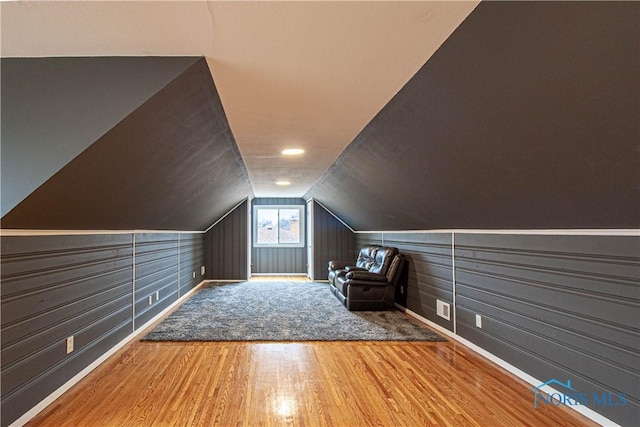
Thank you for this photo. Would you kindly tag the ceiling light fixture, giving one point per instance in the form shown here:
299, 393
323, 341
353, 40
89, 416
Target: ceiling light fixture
292, 151
283, 183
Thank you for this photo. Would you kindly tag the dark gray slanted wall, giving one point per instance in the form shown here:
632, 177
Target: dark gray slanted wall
527, 117
279, 260
54, 287
563, 307
227, 246
54, 108
332, 240
171, 164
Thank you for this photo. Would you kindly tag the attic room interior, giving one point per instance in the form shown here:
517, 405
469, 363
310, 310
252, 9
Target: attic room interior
496, 145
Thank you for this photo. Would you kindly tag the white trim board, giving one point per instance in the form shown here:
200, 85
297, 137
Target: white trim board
567, 232
31, 413
133, 284
12, 232
227, 214
589, 413
453, 282
335, 216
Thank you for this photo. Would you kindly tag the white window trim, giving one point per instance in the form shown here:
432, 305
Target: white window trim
254, 226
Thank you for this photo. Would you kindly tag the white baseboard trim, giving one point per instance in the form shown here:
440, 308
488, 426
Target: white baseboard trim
589, 413
27, 416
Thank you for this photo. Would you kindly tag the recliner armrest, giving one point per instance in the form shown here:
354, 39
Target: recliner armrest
338, 265
354, 268
365, 275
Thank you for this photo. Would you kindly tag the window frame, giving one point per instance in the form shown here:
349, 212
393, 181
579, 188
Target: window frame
302, 230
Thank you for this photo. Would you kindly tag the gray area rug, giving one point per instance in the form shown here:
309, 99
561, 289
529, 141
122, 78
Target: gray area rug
282, 311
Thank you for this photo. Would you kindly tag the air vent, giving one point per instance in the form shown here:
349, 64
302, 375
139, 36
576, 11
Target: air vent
443, 309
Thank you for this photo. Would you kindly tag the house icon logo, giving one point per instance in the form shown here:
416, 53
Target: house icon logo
537, 393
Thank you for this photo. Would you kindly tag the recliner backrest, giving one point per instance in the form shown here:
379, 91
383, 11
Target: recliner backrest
366, 257
382, 260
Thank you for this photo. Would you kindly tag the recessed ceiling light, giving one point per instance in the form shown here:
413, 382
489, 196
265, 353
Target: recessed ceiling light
292, 151
283, 183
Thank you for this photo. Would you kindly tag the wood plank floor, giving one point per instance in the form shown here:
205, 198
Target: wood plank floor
301, 384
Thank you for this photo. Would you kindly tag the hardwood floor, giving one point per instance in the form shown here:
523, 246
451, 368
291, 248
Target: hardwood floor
302, 384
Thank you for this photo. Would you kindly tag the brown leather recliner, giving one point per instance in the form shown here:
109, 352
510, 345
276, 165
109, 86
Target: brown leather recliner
370, 283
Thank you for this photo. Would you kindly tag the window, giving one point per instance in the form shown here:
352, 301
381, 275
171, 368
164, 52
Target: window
278, 226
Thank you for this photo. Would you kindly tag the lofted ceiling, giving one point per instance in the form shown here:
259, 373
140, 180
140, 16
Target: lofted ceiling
166, 115
307, 75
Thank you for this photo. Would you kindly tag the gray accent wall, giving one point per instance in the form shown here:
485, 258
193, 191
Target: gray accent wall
172, 164
57, 286
54, 287
227, 246
527, 117
367, 239
279, 260
157, 259
191, 261
332, 240
563, 307
55, 108
430, 272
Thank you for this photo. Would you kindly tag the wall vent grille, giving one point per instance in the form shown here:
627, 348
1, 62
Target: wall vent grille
443, 309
